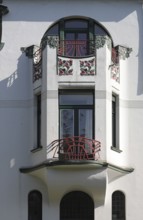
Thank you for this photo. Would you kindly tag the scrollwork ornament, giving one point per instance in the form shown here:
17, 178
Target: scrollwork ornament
52, 41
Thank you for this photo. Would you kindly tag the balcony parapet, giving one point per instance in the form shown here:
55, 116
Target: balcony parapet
75, 148
71, 66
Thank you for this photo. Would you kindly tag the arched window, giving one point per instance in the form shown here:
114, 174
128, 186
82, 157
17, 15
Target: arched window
76, 205
76, 36
118, 206
35, 205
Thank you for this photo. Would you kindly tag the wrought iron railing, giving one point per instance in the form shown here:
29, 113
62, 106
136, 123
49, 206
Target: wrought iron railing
75, 148
76, 48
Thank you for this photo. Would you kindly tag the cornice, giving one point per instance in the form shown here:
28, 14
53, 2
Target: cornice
97, 164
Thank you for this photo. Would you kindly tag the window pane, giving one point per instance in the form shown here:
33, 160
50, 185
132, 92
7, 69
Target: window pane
118, 206
76, 24
54, 30
114, 121
85, 123
66, 123
39, 120
69, 36
76, 99
99, 30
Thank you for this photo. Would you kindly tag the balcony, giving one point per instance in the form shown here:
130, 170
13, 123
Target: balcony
76, 48
75, 148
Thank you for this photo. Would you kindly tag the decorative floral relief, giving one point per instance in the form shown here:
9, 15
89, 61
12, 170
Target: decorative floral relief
124, 52
101, 40
37, 64
65, 67
52, 41
115, 73
87, 67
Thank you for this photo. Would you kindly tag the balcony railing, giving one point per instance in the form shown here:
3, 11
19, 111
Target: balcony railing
75, 148
76, 48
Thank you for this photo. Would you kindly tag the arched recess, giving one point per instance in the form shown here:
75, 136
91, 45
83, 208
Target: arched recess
76, 205
118, 206
34, 205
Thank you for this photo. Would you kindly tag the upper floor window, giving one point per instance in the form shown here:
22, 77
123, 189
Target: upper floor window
76, 113
76, 36
118, 206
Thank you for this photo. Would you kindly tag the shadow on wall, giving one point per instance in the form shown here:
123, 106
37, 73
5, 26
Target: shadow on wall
15, 113
18, 86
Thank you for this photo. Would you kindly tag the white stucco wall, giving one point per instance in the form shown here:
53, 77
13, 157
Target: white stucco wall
24, 25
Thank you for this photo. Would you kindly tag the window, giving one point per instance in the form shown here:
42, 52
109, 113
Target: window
76, 36
35, 205
115, 122
38, 120
118, 206
76, 205
76, 113
114, 101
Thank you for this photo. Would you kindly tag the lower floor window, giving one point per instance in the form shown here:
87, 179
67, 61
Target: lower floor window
118, 206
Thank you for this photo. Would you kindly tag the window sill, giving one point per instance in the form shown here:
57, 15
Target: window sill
116, 149
36, 149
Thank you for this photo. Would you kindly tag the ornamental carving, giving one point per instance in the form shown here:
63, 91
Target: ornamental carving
52, 41
65, 67
87, 67
37, 64
101, 40
124, 52
115, 73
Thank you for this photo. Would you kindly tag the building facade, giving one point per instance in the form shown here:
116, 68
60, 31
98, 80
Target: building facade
71, 106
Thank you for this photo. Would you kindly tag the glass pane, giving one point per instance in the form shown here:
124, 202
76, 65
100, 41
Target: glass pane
81, 45
70, 36
70, 47
82, 36
53, 30
85, 123
99, 30
66, 123
76, 24
76, 99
